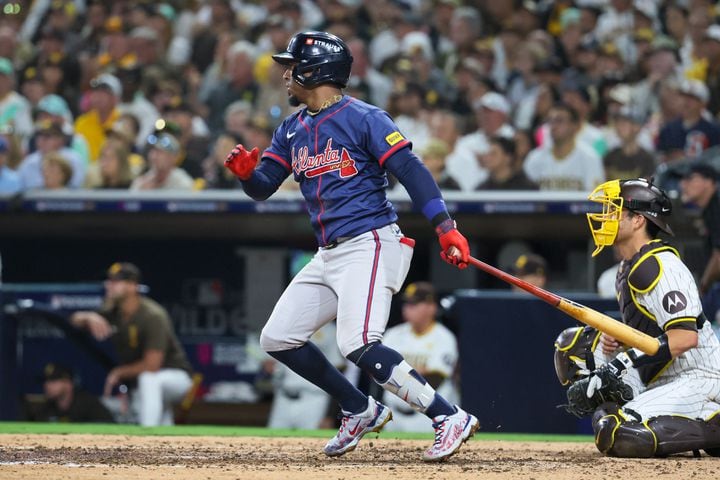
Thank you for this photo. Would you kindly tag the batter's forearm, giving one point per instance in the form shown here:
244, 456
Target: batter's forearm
265, 180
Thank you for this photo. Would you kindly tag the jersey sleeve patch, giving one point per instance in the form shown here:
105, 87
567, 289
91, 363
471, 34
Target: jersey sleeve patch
394, 138
646, 274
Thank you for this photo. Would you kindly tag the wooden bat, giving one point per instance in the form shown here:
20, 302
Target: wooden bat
618, 330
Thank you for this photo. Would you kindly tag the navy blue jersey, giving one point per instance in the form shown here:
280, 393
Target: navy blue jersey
337, 157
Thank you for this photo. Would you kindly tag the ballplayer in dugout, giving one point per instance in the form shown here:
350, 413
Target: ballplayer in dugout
428, 346
645, 405
338, 149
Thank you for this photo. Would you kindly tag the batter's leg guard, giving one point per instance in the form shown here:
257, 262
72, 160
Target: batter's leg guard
388, 368
657, 437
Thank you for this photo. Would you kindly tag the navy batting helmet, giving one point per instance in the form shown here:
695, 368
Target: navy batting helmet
322, 55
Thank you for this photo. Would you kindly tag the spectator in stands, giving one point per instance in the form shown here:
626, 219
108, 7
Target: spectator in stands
50, 139
56, 171
10, 182
711, 52
150, 358
215, 174
54, 108
374, 85
237, 83
579, 98
428, 346
503, 173
14, 108
112, 170
433, 155
135, 102
163, 157
65, 401
531, 268
407, 103
59, 70
692, 133
32, 86
567, 164
699, 187
492, 112
103, 113
628, 160
192, 134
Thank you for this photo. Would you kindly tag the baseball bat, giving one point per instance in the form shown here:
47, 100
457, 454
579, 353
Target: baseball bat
618, 330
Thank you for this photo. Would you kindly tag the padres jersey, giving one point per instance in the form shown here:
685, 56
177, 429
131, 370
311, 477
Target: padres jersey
337, 157
657, 292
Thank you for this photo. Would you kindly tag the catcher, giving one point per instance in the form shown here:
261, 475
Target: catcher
645, 405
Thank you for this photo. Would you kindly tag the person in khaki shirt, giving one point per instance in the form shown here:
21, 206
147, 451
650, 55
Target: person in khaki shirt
150, 358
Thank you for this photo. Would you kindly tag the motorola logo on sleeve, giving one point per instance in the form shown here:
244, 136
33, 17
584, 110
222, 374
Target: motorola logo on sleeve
674, 301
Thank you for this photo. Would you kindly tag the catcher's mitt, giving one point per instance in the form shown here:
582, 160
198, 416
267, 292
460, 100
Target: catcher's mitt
580, 405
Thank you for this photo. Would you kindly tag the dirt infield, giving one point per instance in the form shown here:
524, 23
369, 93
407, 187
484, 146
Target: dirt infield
124, 457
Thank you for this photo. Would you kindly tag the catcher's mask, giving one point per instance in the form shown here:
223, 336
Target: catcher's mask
574, 353
637, 195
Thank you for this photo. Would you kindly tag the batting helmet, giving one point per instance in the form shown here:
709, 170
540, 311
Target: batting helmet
322, 55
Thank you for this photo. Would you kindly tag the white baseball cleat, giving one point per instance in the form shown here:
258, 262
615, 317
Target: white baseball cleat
355, 426
451, 431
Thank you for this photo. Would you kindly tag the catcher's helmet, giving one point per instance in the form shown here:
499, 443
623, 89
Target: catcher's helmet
574, 353
637, 195
322, 55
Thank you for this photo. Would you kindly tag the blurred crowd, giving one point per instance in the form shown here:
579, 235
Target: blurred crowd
549, 95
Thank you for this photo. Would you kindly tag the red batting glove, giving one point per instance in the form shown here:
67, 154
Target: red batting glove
449, 236
241, 162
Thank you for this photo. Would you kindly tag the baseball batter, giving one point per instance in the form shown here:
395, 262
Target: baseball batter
338, 149
676, 391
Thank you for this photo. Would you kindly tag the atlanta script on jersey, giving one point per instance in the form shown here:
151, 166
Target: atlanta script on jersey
337, 156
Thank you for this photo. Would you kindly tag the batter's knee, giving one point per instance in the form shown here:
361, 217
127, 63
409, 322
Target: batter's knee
274, 342
616, 437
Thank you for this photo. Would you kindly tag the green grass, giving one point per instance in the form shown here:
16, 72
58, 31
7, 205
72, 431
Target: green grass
229, 431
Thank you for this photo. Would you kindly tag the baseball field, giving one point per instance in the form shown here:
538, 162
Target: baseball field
64, 451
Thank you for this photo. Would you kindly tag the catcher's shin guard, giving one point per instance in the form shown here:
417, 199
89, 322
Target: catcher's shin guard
657, 437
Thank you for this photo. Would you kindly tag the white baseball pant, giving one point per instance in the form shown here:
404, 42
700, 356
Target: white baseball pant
354, 281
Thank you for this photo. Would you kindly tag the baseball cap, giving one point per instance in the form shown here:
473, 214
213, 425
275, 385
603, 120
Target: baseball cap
494, 101
164, 141
713, 33
54, 105
110, 82
418, 292
54, 371
632, 113
49, 126
529, 264
124, 271
702, 169
695, 88
6, 66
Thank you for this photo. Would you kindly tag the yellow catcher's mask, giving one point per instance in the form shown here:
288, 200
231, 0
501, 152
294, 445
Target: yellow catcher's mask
604, 226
